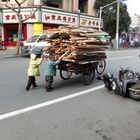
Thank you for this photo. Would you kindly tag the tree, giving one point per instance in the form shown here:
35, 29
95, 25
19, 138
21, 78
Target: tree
17, 10
109, 16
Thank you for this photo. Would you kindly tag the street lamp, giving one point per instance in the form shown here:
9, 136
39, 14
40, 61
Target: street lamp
117, 25
102, 7
117, 21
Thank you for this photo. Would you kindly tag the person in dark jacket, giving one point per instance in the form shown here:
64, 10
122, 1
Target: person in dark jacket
50, 70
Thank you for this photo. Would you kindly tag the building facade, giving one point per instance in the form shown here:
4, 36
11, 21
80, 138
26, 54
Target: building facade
84, 6
57, 13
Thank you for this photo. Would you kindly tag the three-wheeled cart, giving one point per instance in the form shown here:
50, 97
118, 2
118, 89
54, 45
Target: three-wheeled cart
82, 51
86, 68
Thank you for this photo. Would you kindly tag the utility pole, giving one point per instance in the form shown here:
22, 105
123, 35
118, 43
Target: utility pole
101, 8
117, 20
117, 25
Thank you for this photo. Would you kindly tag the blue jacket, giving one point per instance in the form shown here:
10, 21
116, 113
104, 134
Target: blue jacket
51, 67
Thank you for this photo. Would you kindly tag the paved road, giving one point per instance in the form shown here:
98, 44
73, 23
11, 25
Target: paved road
71, 111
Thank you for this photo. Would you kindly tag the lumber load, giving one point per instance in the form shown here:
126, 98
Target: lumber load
81, 44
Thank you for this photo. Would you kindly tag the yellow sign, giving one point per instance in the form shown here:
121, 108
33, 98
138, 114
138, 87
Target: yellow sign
38, 28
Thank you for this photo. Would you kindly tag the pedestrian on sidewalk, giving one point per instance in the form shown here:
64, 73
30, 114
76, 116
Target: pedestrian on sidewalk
33, 70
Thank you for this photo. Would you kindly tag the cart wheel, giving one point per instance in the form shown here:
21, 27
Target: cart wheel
101, 67
65, 75
135, 92
88, 75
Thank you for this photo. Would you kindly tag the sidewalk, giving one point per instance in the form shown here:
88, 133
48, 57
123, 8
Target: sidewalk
9, 52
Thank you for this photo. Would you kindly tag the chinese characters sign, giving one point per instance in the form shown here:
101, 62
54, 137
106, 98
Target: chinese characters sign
50, 16
10, 17
59, 18
90, 22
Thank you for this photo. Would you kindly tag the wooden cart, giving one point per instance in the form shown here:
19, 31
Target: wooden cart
86, 68
82, 51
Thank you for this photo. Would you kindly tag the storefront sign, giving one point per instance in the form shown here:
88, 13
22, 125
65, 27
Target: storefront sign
11, 17
51, 16
57, 17
88, 21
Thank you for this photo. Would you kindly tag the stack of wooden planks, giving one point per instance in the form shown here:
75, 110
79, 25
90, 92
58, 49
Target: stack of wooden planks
77, 43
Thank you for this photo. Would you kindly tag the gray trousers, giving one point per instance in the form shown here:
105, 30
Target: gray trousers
49, 81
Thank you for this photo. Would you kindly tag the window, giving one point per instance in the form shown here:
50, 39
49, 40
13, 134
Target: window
33, 38
42, 38
54, 3
5, 0
83, 6
12, 34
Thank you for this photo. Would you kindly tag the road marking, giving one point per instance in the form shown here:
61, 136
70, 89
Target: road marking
116, 58
34, 107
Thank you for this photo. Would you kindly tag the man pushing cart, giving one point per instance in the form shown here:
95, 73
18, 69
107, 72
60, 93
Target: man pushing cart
84, 50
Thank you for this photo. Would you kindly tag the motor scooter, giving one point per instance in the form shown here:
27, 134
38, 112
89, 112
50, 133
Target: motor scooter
126, 84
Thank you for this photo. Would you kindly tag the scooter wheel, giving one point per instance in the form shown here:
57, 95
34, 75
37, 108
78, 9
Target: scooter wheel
134, 91
107, 79
116, 86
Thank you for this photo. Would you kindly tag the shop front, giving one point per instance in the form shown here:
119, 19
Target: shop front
89, 21
11, 34
10, 25
52, 19
43, 19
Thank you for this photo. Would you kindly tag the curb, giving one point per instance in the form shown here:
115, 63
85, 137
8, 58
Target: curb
8, 53
10, 56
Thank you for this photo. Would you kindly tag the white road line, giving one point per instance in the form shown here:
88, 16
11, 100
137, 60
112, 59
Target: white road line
27, 109
116, 58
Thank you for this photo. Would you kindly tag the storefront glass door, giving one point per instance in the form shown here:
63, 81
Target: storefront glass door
11, 34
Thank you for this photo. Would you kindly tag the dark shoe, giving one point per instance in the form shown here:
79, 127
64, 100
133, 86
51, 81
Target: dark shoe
27, 89
48, 88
